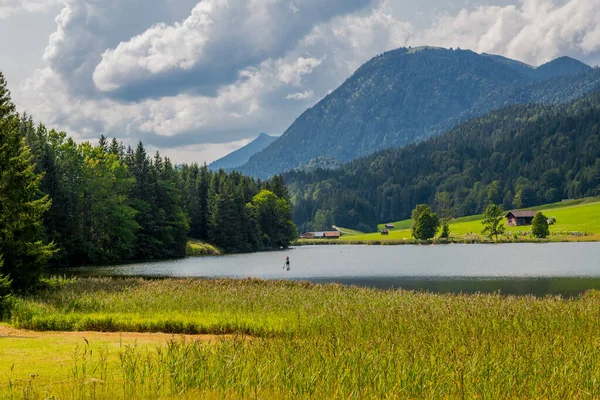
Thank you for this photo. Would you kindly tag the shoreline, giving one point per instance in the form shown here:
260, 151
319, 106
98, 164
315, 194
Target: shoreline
398, 242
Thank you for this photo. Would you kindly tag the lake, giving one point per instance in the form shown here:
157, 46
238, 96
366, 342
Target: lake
538, 269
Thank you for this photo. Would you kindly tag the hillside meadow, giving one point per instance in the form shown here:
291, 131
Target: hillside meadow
294, 340
574, 216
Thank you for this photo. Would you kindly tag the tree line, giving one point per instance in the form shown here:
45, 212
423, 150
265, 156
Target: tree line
64, 203
517, 157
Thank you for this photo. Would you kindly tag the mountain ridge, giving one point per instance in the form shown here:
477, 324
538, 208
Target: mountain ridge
407, 95
241, 156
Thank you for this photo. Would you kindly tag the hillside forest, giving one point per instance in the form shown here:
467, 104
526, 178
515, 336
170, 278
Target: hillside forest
519, 156
408, 95
64, 203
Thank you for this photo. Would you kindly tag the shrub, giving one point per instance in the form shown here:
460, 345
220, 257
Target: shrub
539, 227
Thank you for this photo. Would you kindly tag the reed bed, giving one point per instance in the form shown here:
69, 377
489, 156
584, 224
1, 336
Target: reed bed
327, 341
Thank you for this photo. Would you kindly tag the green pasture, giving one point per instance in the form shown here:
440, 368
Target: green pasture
581, 216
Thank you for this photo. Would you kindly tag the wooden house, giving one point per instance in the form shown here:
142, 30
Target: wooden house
332, 235
520, 218
389, 226
307, 235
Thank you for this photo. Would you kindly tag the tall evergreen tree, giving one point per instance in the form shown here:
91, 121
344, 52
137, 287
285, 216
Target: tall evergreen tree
5, 292
21, 205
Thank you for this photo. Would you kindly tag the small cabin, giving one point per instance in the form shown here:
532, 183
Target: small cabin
520, 218
307, 235
333, 235
319, 235
389, 226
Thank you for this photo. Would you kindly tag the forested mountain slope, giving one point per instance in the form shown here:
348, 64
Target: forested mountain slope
518, 156
241, 156
408, 95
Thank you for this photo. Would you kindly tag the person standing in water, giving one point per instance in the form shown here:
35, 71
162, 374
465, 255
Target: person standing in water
287, 263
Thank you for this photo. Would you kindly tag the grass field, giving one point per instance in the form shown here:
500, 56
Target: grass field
581, 216
307, 341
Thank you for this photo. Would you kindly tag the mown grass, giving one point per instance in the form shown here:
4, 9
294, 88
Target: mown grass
324, 341
196, 248
581, 216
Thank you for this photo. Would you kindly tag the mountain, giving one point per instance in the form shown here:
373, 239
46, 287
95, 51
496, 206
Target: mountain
410, 94
241, 156
560, 67
518, 156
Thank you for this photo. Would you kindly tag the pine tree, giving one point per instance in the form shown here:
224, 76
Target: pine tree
7, 107
5, 293
21, 206
143, 197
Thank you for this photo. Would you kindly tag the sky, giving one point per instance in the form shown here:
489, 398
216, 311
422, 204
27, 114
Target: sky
197, 80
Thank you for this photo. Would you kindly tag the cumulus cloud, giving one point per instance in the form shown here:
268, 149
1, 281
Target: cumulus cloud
218, 71
209, 47
350, 40
308, 94
534, 31
85, 28
9, 7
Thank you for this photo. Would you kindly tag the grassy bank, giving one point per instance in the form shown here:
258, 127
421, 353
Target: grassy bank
319, 341
196, 248
577, 220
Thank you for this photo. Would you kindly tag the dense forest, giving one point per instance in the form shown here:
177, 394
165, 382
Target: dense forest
518, 156
408, 95
64, 203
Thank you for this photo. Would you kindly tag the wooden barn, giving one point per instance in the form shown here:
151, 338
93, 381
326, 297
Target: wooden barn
520, 218
332, 235
307, 235
389, 226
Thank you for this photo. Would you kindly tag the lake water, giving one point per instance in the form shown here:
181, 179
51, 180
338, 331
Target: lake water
539, 269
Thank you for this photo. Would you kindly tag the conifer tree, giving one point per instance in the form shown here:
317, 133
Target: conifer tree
21, 206
5, 292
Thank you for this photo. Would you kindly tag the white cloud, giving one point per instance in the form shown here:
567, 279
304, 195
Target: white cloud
292, 73
219, 38
351, 40
10, 7
534, 31
153, 71
308, 94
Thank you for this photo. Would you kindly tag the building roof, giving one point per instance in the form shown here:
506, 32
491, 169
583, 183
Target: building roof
522, 214
332, 234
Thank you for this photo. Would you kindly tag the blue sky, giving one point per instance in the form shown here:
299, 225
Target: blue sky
196, 80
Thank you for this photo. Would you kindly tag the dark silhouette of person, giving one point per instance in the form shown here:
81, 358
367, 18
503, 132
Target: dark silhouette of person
287, 263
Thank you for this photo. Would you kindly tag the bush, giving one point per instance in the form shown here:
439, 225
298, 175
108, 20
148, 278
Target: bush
198, 249
539, 227
427, 226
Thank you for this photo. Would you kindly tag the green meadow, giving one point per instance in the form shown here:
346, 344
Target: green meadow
582, 216
295, 340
